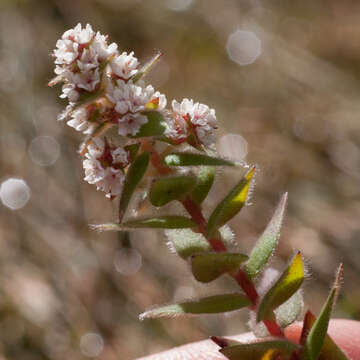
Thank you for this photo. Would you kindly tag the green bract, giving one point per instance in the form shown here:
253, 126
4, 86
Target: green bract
231, 204
133, 177
160, 222
167, 189
154, 127
208, 305
205, 180
288, 283
194, 159
315, 339
208, 267
264, 349
265, 246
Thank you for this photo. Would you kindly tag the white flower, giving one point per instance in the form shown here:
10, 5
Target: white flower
125, 65
130, 101
66, 52
100, 46
79, 55
130, 124
199, 118
71, 42
64, 115
87, 80
103, 167
79, 121
69, 91
79, 35
176, 128
120, 156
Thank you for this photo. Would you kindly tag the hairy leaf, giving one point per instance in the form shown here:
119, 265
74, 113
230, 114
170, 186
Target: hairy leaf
208, 267
289, 311
155, 126
267, 242
133, 177
208, 305
195, 159
288, 283
187, 242
329, 351
264, 349
146, 68
205, 180
316, 337
167, 189
159, 222
231, 204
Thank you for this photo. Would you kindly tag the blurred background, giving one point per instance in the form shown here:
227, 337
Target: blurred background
283, 76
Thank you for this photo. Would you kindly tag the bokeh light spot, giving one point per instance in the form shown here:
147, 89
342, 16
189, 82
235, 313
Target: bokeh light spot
91, 344
128, 261
14, 193
44, 150
243, 47
233, 146
179, 5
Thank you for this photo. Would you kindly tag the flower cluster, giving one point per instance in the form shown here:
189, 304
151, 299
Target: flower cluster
104, 87
104, 166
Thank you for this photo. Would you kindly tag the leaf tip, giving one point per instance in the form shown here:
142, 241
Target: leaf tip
250, 173
144, 315
219, 341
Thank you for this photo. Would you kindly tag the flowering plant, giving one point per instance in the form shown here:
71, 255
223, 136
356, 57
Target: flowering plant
168, 154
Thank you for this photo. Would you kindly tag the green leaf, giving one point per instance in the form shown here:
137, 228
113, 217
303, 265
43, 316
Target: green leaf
194, 159
231, 204
133, 177
264, 349
265, 246
316, 337
329, 351
186, 242
146, 68
205, 180
167, 189
208, 305
208, 267
155, 126
160, 222
133, 150
286, 286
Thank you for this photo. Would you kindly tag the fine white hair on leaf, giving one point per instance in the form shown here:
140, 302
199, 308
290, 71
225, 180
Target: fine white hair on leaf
252, 186
258, 328
290, 310
269, 277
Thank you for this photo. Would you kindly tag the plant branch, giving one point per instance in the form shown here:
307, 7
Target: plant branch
156, 159
216, 243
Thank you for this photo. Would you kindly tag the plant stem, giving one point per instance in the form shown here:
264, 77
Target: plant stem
156, 159
247, 285
216, 243
195, 212
241, 278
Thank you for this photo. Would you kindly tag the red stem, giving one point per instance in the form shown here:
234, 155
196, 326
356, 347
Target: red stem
241, 278
156, 159
247, 285
196, 214
217, 245
273, 328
